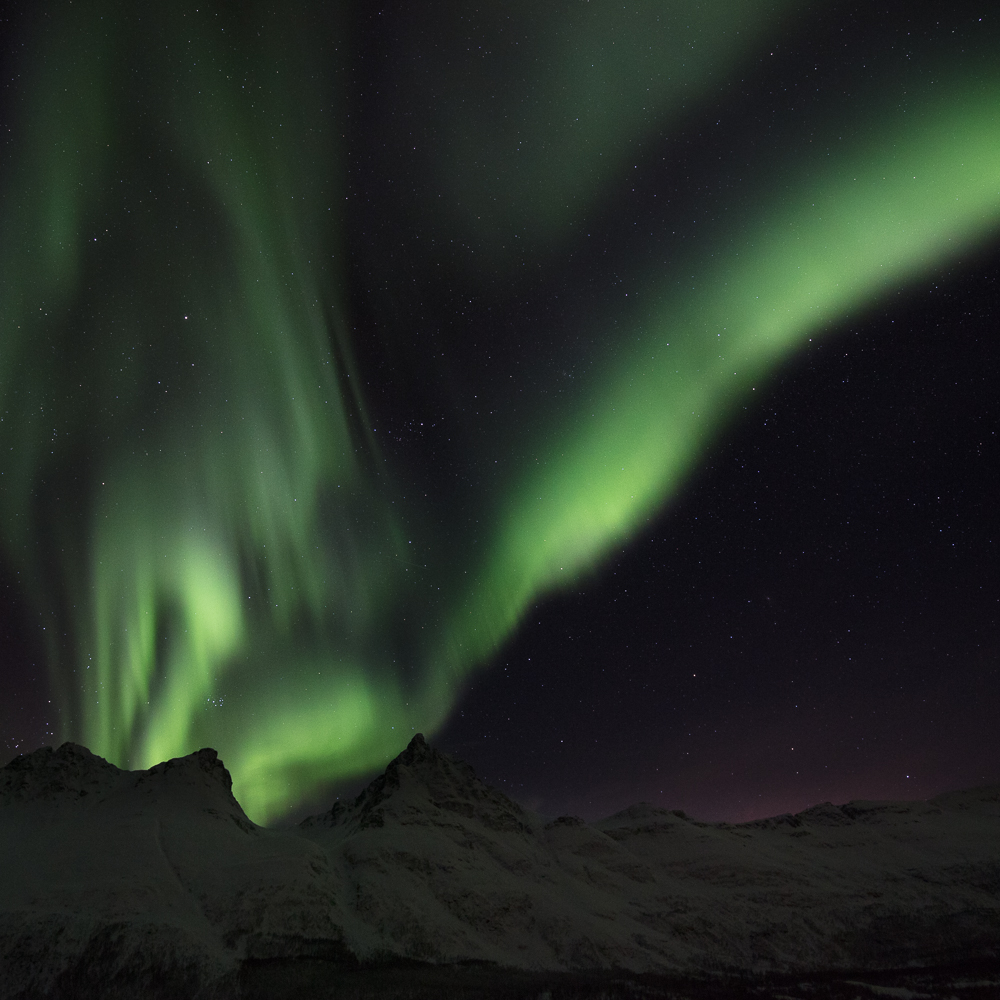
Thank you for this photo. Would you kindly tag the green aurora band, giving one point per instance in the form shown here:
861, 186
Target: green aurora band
191, 492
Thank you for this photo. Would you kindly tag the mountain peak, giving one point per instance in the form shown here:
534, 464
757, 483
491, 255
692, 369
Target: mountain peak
416, 749
69, 772
422, 785
202, 762
420, 758
72, 775
199, 778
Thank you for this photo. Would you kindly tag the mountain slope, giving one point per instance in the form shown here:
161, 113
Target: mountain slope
149, 876
158, 881
445, 869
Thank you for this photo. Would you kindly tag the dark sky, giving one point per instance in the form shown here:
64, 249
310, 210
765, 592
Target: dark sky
815, 618
816, 614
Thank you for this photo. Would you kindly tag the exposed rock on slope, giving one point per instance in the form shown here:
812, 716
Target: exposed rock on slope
153, 874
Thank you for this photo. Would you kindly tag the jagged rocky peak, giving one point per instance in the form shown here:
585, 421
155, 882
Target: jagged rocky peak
419, 785
198, 781
71, 772
421, 763
73, 775
203, 767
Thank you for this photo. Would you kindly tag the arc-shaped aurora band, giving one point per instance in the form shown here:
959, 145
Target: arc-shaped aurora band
189, 491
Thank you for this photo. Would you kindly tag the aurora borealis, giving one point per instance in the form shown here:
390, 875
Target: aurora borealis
330, 347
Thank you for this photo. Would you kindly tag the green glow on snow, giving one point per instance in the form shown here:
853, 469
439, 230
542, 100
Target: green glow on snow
189, 490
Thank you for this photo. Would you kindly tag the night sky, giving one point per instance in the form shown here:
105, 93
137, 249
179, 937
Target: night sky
815, 617
327, 335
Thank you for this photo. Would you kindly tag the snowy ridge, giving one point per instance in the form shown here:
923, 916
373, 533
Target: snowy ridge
159, 876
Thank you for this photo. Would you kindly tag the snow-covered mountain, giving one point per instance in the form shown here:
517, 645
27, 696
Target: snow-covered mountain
158, 882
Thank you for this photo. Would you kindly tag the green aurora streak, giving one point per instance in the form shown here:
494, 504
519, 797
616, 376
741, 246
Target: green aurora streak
190, 492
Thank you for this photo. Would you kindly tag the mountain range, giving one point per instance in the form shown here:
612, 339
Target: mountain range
119, 883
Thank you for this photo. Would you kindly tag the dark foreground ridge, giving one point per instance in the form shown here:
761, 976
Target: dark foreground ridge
432, 884
316, 981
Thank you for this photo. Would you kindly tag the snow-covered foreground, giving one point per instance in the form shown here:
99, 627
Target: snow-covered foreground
156, 883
